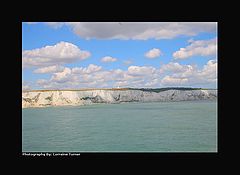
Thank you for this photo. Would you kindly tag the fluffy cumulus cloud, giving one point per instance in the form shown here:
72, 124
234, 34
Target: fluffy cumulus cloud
90, 69
174, 67
52, 59
60, 53
209, 71
171, 74
49, 69
153, 53
63, 76
200, 47
168, 80
141, 70
94, 76
108, 59
190, 74
136, 30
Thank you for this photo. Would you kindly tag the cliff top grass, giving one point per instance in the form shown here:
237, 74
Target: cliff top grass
121, 89
169, 88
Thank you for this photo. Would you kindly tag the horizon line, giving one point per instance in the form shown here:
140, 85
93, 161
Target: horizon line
126, 88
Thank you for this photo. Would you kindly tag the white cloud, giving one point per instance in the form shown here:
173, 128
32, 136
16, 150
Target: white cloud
136, 30
191, 75
108, 59
61, 53
47, 84
95, 76
209, 71
174, 67
121, 84
42, 82
76, 77
200, 47
63, 76
153, 53
171, 74
49, 69
90, 69
25, 87
153, 83
140, 30
168, 80
141, 70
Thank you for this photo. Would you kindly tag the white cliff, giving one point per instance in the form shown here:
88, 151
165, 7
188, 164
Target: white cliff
84, 97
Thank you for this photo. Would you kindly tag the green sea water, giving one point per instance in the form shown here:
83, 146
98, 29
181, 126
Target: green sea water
189, 126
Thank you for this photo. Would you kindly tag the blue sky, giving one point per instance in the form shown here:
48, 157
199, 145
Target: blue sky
127, 45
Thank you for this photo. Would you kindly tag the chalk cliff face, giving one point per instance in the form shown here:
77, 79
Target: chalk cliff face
61, 98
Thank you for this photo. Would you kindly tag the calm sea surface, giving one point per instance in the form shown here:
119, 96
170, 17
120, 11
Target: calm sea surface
160, 127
